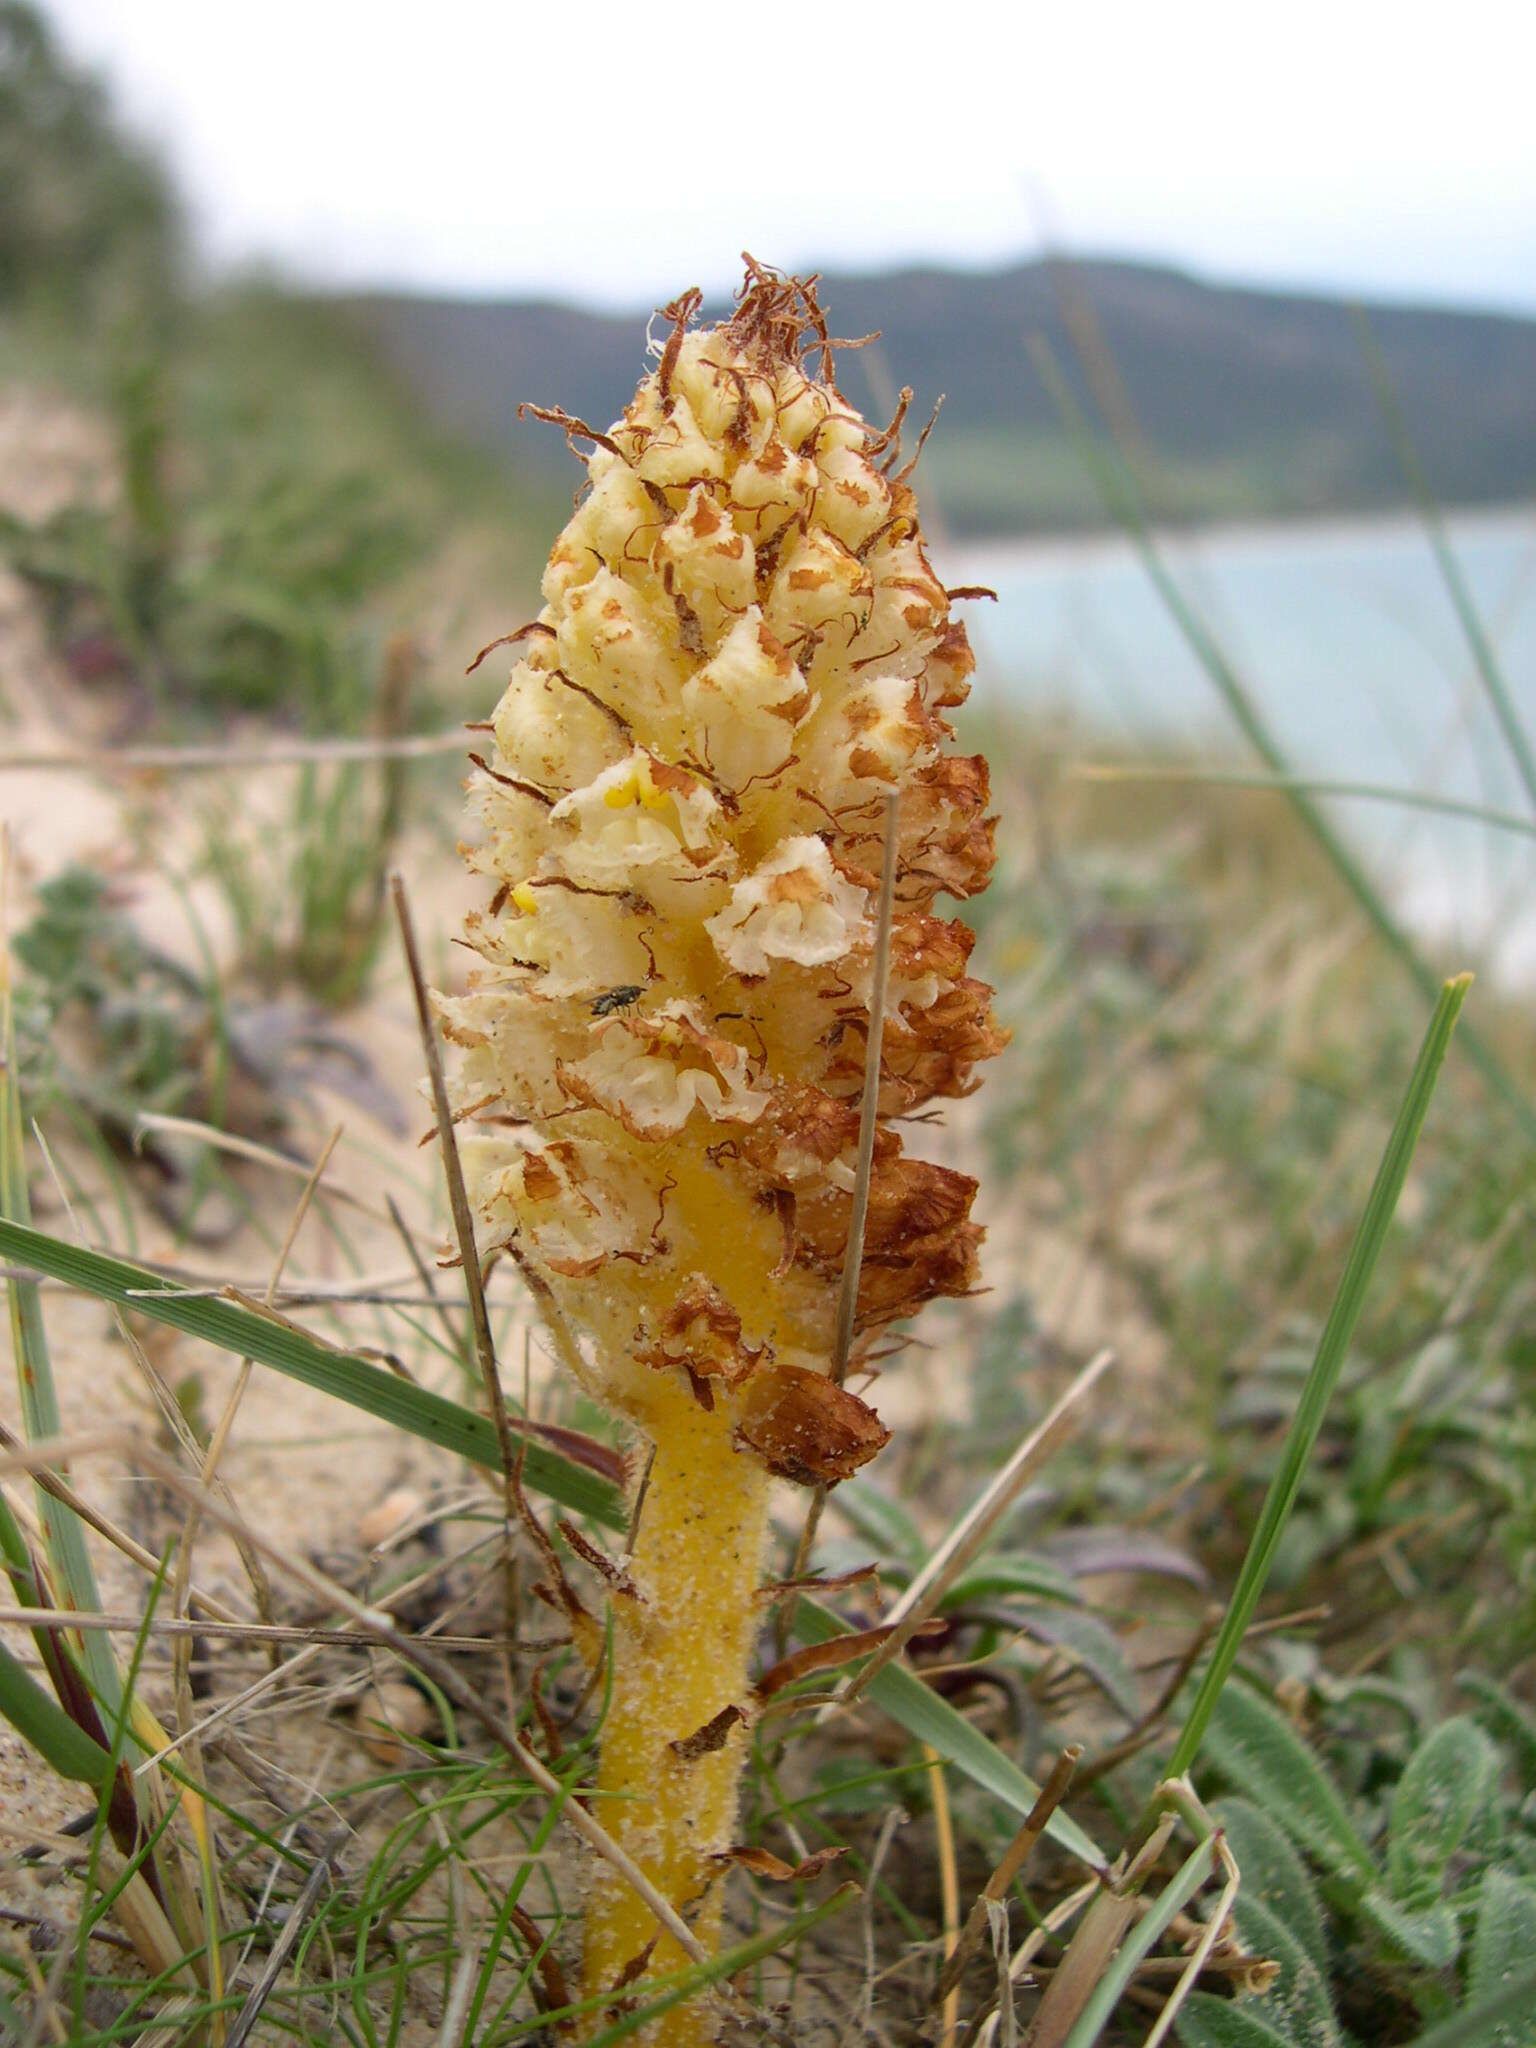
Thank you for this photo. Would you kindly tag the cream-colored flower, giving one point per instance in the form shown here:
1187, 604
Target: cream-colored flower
794, 906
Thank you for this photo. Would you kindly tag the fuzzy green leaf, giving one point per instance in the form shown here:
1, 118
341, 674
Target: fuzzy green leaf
1299, 2004
1274, 1874
1264, 1757
1481, 2024
1445, 1785
1427, 1935
1505, 1939
1504, 1718
1206, 2021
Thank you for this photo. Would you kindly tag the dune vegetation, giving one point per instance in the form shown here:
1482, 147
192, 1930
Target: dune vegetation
1172, 1669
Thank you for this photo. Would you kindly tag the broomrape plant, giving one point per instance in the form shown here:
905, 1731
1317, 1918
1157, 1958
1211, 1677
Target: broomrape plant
744, 653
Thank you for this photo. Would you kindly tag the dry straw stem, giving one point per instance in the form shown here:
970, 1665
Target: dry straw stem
971, 1532
949, 1885
869, 1104
164, 1395
458, 1200
220, 1437
983, 2027
197, 760
317, 1640
374, 1623
1083, 1994
1200, 1955
1155, 1921
260, 1155
1095, 1942
205, 1604
256, 1633
507, 1445
1009, 1867
293, 1926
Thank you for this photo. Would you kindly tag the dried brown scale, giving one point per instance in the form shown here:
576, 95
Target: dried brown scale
744, 652
711, 1737
763, 1863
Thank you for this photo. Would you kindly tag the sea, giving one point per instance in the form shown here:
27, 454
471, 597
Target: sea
1345, 636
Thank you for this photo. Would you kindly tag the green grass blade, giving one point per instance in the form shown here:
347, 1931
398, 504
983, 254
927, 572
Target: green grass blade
1123, 503
232, 1327
1489, 673
45, 1727
688, 1983
1312, 785
68, 1559
1323, 1377
922, 1713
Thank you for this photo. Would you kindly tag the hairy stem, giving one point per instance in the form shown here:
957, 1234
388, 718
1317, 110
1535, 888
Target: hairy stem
680, 1651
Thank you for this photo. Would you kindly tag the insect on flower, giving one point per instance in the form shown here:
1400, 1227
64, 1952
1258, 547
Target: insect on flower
613, 999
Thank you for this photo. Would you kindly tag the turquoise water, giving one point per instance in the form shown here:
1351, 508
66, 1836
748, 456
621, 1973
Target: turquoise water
1346, 638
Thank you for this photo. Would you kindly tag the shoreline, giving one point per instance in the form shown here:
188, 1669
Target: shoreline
1025, 551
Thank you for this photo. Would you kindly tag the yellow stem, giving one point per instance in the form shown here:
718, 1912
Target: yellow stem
680, 1653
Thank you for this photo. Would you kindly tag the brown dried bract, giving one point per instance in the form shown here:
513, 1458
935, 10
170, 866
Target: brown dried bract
712, 1736
805, 1427
613, 1575
575, 429
830, 1656
763, 1863
701, 1335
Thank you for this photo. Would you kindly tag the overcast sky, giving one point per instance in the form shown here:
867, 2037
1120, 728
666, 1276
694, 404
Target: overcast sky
614, 154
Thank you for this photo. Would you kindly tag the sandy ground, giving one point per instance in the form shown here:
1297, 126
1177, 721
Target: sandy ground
303, 1471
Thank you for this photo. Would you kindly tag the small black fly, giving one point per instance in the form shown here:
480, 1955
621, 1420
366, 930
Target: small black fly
617, 999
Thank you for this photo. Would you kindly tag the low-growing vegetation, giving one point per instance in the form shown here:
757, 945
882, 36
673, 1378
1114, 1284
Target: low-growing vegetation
1205, 1529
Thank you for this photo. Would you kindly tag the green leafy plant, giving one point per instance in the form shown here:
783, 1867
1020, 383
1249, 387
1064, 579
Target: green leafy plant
1413, 1896
113, 1030
85, 1725
307, 897
241, 591
1439, 1434
86, 210
110, 1028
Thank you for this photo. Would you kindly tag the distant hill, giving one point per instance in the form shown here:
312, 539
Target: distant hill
1245, 403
